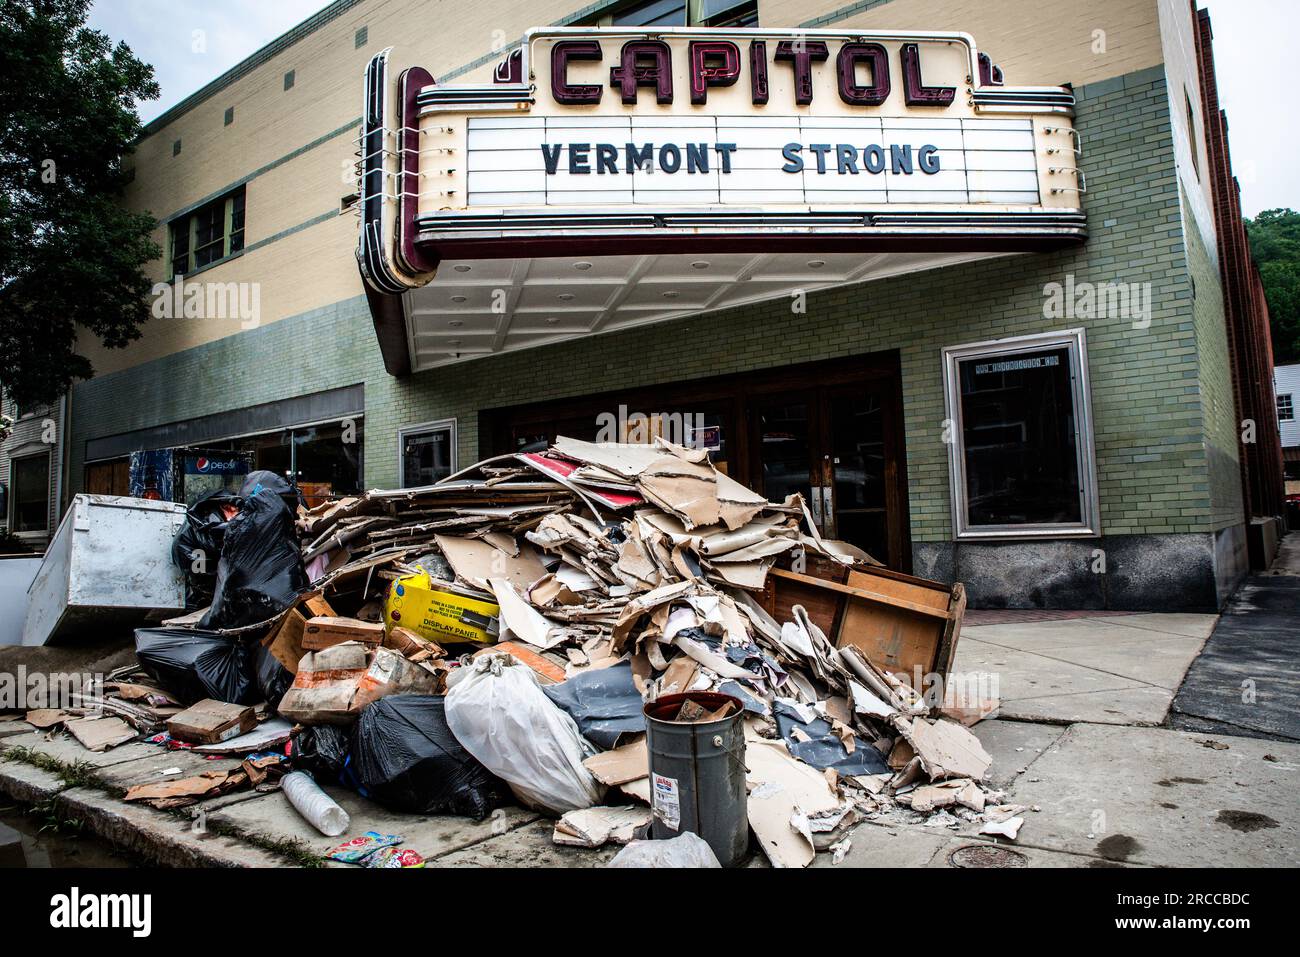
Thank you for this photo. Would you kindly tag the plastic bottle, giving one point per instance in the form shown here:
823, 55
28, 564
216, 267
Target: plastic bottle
315, 805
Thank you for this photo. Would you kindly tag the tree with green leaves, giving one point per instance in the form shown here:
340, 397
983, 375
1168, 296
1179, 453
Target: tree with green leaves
1275, 246
70, 254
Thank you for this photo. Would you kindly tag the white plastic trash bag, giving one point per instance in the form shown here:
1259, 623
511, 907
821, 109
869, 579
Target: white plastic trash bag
499, 714
685, 850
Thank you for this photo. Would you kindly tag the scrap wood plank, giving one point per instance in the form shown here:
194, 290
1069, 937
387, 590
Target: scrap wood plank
869, 594
900, 622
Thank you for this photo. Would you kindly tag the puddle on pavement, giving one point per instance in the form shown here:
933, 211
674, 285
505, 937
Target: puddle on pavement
1246, 821
35, 847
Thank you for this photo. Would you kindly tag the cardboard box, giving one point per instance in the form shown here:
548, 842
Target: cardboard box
334, 684
439, 615
285, 643
326, 631
211, 722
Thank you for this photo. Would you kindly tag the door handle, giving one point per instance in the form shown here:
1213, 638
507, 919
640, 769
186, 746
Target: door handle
827, 515
815, 503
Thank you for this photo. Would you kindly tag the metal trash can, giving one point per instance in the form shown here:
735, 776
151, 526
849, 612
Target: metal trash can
697, 773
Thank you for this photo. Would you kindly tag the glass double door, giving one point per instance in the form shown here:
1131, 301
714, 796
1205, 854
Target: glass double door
837, 446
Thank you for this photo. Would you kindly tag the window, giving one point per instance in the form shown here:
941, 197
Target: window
230, 116
682, 13
208, 234
1285, 408
176, 148
724, 13
30, 480
1193, 139
427, 453
359, 40
288, 80
652, 13
1021, 454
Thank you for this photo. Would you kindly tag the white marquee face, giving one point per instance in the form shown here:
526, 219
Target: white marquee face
654, 140
747, 161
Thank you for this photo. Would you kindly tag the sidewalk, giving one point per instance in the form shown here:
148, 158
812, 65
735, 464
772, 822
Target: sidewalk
1103, 668
1247, 680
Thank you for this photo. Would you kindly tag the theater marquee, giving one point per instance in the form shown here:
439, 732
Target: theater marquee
614, 141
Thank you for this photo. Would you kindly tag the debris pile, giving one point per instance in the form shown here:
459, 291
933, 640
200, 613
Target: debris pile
500, 633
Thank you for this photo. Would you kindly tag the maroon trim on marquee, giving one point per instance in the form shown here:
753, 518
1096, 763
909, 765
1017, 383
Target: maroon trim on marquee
846, 66
704, 75
389, 319
573, 94
990, 72
412, 258
511, 69
915, 92
821, 242
758, 71
630, 75
801, 54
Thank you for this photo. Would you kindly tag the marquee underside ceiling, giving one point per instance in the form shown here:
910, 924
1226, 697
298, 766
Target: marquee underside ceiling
476, 308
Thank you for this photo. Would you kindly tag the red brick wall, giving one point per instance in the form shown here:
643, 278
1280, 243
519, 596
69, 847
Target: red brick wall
1246, 312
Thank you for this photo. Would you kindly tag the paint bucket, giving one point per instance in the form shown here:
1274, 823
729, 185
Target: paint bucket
697, 773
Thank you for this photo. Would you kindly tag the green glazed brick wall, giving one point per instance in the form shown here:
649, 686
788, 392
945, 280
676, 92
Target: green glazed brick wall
1150, 431
1222, 431
323, 349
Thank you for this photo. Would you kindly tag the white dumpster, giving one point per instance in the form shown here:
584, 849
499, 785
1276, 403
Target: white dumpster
108, 566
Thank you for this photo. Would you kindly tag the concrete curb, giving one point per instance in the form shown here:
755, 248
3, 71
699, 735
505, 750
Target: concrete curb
28, 784
161, 838
158, 837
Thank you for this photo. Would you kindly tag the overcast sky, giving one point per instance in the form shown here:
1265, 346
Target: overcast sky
1252, 51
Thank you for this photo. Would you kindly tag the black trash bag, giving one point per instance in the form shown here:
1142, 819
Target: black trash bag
273, 678
405, 757
604, 703
260, 572
196, 549
321, 749
260, 479
193, 665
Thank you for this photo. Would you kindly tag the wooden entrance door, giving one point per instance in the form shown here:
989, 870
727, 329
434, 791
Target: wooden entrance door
840, 447
833, 426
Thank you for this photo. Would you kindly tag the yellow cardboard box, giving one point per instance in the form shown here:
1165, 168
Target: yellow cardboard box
442, 616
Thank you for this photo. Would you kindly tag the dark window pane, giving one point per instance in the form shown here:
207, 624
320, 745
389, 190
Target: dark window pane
31, 481
783, 432
868, 530
653, 13
327, 464
1018, 436
426, 457
725, 13
707, 430
209, 233
858, 451
180, 231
